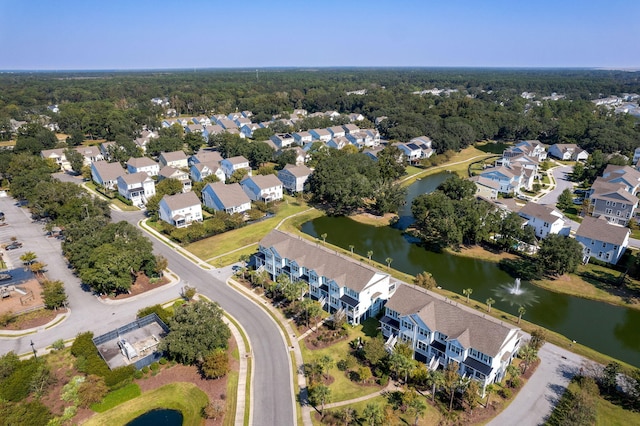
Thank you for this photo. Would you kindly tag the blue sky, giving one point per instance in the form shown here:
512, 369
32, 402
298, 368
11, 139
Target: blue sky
143, 34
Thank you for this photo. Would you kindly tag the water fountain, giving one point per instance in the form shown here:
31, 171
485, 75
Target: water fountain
514, 294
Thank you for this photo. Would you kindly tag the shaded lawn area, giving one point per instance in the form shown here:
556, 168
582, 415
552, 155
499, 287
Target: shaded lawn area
609, 414
343, 388
223, 243
117, 397
185, 397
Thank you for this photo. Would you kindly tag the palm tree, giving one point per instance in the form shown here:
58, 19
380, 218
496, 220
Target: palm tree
467, 292
528, 355
489, 302
28, 258
491, 388
373, 413
512, 371
436, 378
388, 260
369, 254
324, 238
347, 415
521, 312
320, 395
416, 406
351, 247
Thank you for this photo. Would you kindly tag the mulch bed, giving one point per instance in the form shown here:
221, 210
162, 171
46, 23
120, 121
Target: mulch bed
33, 319
141, 285
329, 337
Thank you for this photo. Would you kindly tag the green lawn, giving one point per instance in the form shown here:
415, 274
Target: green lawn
614, 415
117, 397
185, 397
251, 234
343, 388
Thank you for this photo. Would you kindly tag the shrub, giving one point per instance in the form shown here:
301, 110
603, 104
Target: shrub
383, 380
6, 318
515, 382
138, 375
92, 391
161, 312
83, 345
155, 366
58, 345
17, 385
162, 361
119, 377
214, 410
24, 413
145, 370
505, 393
215, 365
347, 363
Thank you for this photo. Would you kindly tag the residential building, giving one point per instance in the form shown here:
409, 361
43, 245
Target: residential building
136, 187
625, 175
422, 141
636, 157
355, 116
441, 331
200, 171
227, 124
332, 114
532, 148
262, 188
228, 198
170, 172
177, 159
90, 154
602, 240
612, 201
180, 210
249, 128
58, 156
544, 220
414, 152
337, 131
282, 140
341, 282
320, 135
301, 138
230, 165
350, 128
486, 188
509, 178
205, 155
338, 142
143, 164
568, 152
106, 174
293, 177
213, 129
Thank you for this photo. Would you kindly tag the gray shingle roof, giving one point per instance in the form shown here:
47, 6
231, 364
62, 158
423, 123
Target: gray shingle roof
600, 230
173, 156
141, 162
345, 271
181, 201
298, 171
539, 211
108, 171
264, 181
230, 195
134, 178
459, 322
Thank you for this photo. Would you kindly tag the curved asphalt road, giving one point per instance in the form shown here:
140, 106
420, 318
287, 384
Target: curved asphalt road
272, 388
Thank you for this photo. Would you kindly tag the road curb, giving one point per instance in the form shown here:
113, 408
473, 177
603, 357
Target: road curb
15, 334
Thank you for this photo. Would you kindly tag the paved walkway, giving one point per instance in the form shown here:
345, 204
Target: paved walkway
311, 330
391, 386
241, 401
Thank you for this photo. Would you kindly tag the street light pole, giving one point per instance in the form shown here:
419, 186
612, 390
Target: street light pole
35, 354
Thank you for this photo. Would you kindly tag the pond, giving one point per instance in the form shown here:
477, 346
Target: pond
612, 330
159, 417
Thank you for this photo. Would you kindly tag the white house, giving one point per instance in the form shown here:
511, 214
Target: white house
293, 177
531, 148
320, 135
136, 187
544, 220
282, 140
338, 142
568, 152
301, 138
205, 156
262, 188
169, 172
106, 174
90, 154
486, 188
601, 240
249, 128
510, 179
440, 331
229, 198
177, 159
231, 164
143, 164
58, 156
200, 171
180, 210
350, 128
344, 284
336, 132
414, 152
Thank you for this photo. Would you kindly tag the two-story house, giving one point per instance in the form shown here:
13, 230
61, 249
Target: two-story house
205, 155
229, 198
486, 188
320, 135
106, 174
441, 331
602, 240
231, 164
180, 210
249, 128
338, 282
136, 187
336, 131
531, 148
169, 172
262, 188
612, 201
143, 164
544, 220
302, 138
177, 159
282, 140
293, 177
509, 178
568, 152
199, 171
90, 154
628, 176
58, 156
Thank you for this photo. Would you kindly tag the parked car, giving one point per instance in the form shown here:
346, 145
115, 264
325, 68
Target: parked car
13, 246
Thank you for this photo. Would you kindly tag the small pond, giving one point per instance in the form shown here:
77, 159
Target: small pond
159, 417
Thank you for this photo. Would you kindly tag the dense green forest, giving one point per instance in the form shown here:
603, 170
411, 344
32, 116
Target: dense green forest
487, 104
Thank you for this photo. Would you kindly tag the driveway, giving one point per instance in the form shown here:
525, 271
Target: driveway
536, 400
561, 176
